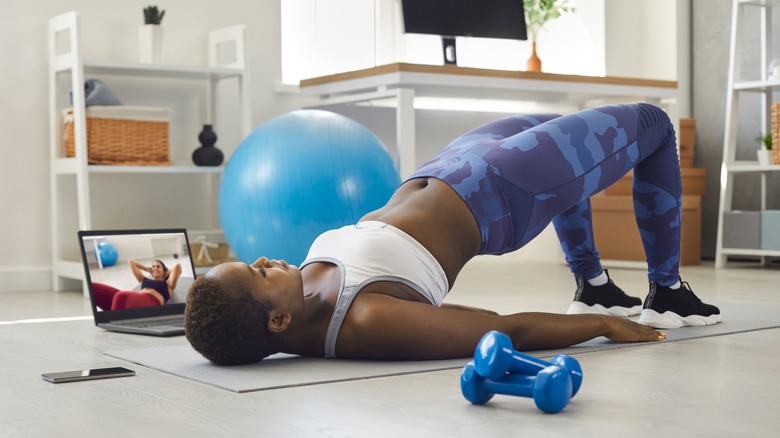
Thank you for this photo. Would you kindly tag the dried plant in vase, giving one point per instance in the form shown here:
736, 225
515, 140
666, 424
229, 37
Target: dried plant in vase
537, 14
152, 15
150, 35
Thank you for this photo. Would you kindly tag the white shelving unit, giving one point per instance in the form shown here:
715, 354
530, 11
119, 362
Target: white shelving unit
63, 61
764, 86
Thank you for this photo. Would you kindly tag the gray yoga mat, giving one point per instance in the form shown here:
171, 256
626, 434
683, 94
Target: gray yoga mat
283, 370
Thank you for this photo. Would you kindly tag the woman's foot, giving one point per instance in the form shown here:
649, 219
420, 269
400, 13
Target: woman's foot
674, 308
607, 299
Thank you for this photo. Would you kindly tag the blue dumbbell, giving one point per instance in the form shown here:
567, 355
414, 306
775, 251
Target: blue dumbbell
495, 356
550, 388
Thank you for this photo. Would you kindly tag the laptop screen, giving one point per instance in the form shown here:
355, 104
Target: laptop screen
136, 273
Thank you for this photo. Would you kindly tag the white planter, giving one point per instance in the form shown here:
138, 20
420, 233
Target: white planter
150, 43
763, 157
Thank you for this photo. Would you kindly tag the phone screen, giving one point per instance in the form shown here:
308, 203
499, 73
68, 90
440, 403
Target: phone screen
96, 373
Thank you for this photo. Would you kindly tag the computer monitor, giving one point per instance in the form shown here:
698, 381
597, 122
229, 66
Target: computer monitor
474, 18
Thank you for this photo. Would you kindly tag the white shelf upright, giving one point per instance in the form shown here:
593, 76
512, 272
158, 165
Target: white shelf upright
736, 86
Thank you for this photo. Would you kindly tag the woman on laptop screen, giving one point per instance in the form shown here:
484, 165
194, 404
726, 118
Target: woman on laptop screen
156, 289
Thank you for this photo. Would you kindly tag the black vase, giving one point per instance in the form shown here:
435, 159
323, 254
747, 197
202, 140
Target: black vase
207, 154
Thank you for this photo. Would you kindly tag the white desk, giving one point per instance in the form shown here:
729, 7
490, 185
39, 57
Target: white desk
405, 82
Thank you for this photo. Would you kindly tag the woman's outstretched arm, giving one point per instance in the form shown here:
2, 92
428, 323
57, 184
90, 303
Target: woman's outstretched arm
467, 308
382, 327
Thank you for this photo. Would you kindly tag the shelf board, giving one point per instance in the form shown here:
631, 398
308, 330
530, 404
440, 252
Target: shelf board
751, 252
69, 268
752, 166
762, 3
161, 70
75, 269
65, 166
181, 169
768, 85
202, 270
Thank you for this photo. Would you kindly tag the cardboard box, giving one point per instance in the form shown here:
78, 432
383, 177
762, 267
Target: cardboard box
686, 142
770, 229
617, 235
686, 156
687, 132
742, 229
694, 182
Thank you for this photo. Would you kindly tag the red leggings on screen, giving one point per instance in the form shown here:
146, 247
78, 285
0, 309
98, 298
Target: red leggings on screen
110, 298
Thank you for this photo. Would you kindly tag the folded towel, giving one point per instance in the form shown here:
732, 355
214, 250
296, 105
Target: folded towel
96, 93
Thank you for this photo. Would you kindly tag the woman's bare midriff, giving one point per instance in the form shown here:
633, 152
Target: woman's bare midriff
155, 294
432, 213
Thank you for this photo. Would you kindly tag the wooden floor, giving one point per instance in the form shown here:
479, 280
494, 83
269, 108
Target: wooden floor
725, 386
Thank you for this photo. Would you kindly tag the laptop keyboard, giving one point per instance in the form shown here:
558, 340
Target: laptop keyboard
175, 321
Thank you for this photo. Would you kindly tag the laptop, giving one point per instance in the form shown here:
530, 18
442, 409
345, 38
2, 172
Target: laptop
106, 256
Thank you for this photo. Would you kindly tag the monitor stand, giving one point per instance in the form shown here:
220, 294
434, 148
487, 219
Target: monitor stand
448, 48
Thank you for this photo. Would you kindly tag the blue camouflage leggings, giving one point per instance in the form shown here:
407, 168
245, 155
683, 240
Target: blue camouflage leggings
520, 173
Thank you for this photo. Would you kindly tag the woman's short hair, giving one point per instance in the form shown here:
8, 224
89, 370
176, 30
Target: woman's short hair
227, 325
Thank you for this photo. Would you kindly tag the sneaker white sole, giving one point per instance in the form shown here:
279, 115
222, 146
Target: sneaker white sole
579, 308
671, 320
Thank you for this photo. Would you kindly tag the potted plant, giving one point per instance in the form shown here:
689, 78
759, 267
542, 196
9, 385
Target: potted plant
537, 13
150, 35
152, 15
765, 149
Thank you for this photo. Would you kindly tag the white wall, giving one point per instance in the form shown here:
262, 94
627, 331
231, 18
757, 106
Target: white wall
326, 33
109, 33
639, 37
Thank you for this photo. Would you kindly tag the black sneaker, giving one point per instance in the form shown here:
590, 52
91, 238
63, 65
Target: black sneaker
607, 299
668, 308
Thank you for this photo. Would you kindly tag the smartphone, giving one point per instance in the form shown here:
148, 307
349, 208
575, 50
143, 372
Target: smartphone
93, 374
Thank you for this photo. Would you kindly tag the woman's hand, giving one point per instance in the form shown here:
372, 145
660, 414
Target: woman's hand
544, 331
137, 265
136, 269
624, 330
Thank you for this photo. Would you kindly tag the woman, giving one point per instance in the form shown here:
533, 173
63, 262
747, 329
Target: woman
374, 290
155, 290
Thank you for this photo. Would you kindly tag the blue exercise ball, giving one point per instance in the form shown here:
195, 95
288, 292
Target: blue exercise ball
297, 176
107, 253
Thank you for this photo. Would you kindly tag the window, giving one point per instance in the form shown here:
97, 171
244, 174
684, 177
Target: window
323, 37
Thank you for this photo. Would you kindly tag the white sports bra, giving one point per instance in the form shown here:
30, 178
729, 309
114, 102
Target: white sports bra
374, 251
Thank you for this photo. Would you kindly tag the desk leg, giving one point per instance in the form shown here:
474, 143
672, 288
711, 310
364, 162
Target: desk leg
405, 132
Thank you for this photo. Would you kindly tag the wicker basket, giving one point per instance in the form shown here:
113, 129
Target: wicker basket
775, 152
123, 135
